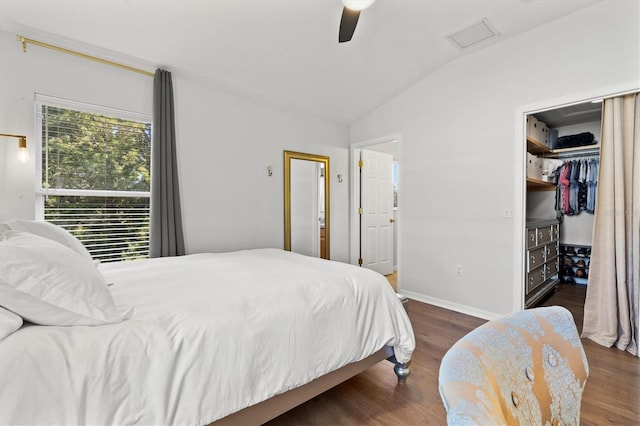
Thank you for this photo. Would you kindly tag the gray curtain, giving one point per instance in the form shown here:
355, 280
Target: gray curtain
166, 236
611, 305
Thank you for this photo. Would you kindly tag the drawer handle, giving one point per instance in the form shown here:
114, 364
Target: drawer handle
532, 259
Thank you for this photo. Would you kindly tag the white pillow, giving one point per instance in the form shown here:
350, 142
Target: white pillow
47, 283
50, 231
9, 322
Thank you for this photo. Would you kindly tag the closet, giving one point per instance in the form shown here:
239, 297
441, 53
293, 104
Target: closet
562, 147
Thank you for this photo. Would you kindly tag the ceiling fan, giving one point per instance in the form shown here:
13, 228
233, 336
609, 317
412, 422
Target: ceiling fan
350, 15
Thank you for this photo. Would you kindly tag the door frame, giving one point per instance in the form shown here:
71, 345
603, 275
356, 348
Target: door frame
520, 162
354, 196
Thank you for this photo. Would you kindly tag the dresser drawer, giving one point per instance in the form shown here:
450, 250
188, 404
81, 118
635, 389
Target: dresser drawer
551, 268
545, 234
551, 250
535, 258
531, 238
534, 279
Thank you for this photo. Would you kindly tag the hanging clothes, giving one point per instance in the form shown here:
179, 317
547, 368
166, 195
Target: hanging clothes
592, 180
577, 186
562, 189
574, 187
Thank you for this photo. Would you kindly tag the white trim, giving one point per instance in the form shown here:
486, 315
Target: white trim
140, 117
456, 307
93, 192
578, 98
354, 156
520, 210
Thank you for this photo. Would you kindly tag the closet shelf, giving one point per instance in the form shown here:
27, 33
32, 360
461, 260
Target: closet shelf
535, 147
576, 151
539, 185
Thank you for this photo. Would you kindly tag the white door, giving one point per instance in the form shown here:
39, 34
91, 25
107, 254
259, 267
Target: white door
376, 228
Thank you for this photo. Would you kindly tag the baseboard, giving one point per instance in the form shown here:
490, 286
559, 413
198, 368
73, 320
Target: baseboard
463, 309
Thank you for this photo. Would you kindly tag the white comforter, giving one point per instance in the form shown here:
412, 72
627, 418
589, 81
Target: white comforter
211, 334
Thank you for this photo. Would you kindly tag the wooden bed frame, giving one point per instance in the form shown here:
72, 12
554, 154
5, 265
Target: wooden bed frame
279, 404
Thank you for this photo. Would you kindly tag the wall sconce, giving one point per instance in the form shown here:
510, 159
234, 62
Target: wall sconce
23, 154
340, 178
270, 170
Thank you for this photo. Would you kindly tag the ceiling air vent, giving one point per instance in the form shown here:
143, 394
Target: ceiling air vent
482, 31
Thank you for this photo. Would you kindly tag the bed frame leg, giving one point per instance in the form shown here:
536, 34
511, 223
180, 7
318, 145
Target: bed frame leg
402, 370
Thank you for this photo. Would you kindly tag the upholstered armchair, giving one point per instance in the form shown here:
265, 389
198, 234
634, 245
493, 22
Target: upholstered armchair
526, 368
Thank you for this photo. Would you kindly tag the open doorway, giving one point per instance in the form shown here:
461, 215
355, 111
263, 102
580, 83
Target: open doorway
536, 196
591, 260
563, 149
374, 206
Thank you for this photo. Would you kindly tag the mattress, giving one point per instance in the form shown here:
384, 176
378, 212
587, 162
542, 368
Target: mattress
211, 334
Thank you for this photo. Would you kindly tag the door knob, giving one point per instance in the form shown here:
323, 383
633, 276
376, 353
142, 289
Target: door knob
391, 220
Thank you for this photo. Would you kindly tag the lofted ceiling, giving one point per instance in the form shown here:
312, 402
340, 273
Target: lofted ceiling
283, 52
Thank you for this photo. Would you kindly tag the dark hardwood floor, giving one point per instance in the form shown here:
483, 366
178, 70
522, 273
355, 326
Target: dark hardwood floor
612, 393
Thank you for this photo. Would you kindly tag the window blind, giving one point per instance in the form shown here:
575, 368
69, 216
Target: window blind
95, 177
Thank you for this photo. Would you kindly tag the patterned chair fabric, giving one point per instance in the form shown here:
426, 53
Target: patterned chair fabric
526, 368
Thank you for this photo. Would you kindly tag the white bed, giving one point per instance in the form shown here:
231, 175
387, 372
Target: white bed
210, 334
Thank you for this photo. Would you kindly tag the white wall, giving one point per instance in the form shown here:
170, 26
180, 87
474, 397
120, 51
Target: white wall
458, 166
56, 74
225, 143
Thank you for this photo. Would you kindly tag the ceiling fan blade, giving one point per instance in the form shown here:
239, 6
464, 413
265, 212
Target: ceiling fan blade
348, 24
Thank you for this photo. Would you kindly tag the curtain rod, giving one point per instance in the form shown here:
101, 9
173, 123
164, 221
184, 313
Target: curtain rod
25, 40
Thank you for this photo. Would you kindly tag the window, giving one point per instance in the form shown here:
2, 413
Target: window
395, 185
95, 176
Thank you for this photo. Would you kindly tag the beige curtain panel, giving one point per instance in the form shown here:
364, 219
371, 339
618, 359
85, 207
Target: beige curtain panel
611, 305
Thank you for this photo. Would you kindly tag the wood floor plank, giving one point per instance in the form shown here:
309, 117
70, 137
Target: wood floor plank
612, 393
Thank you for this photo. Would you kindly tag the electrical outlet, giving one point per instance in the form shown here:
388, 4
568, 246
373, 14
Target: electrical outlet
459, 270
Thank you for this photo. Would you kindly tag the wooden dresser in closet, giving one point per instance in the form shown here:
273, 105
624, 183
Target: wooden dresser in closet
543, 262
